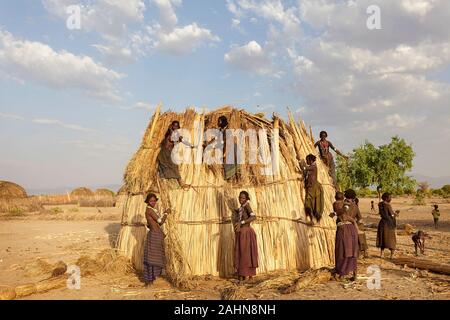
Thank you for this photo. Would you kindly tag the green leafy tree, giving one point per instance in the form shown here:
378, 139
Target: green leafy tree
385, 166
446, 189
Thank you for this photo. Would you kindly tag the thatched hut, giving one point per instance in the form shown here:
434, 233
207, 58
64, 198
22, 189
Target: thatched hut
14, 199
81, 192
200, 236
10, 190
104, 193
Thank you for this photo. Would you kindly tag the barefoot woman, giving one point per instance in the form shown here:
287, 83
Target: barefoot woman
386, 236
246, 248
154, 254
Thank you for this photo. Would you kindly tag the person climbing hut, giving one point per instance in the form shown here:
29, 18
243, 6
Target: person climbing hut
325, 155
314, 199
167, 169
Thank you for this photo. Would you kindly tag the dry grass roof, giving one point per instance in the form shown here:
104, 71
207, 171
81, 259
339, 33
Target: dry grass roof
140, 173
104, 192
81, 192
10, 190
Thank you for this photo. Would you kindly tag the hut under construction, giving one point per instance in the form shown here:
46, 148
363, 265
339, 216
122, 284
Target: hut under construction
199, 234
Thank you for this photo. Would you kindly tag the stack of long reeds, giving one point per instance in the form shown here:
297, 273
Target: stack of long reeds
200, 236
121, 197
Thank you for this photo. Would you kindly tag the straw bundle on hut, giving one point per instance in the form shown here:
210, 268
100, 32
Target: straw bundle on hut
121, 196
200, 237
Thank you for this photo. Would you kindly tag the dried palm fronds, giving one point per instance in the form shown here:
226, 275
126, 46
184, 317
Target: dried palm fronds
308, 279
234, 292
107, 262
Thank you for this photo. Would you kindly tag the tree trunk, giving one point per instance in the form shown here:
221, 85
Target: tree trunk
423, 264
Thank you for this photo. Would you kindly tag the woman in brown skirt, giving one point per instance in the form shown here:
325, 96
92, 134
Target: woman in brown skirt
246, 248
154, 254
346, 247
386, 237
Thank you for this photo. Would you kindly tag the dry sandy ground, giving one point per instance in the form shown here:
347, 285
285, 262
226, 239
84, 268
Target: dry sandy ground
68, 235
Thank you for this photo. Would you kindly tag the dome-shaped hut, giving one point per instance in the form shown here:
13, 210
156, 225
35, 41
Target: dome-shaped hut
81, 192
199, 234
104, 193
14, 199
10, 190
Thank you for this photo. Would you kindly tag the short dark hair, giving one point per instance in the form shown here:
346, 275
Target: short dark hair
339, 195
350, 194
149, 196
385, 196
175, 122
323, 132
436, 206
223, 121
245, 193
311, 157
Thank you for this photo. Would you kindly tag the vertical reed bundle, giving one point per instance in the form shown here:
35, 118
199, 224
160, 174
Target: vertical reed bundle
200, 236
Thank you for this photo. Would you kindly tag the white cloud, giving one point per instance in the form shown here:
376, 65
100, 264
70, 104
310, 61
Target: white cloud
283, 28
167, 16
126, 38
113, 20
406, 22
402, 122
250, 57
10, 116
40, 64
110, 18
62, 124
236, 25
419, 7
167, 36
181, 40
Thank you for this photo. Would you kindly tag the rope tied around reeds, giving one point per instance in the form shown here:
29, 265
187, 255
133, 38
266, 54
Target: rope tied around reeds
258, 220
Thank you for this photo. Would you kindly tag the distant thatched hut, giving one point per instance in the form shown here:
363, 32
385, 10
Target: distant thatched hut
14, 199
200, 237
104, 193
10, 190
81, 193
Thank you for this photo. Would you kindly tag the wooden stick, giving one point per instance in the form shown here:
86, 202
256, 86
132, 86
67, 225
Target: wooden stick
412, 262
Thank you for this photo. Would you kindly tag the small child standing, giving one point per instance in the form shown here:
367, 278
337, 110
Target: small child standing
436, 214
372, 206
419, 241
338, 204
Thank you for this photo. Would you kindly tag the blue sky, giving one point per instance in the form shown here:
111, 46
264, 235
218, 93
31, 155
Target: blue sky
74, 103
